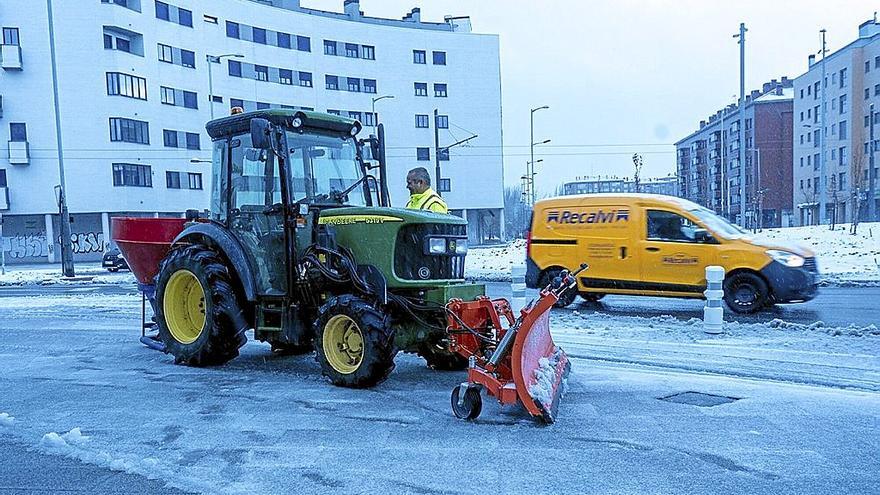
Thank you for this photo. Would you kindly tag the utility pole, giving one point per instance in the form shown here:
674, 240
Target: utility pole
532, 143
437, 153
67, 269
872, 174
823, 180
212, 59
742, 117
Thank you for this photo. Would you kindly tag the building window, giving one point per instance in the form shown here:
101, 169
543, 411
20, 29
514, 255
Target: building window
867, 93
439, 58
333, 112
235, 102
370, 86
190, 100
305, 79
842, 104
419, 57
283, 40
351, 50
17, 132
867, 66
188, 59
3, 182
166, 54
422, 121
259, 35
842, 154
172, 180
332, 82
423, 154
440, 90
10, 36
119, 84
169, 138
184, 17
354, 116
421, 89
368, 52
261, 73
354, 84
442, 122
234, 68
802, 161
129, 131
444, 185
232, 30
210, 19
329, 47
263, 106
162, 11
842, 78
133, 175
369, 119
193, 141
167, 95
195, 180
842, 128
303, 44
802, 94
285, 76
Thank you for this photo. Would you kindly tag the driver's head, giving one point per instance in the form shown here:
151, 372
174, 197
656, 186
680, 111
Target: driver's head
418, 180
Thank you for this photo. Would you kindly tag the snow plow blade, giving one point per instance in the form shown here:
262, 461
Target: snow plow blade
518, 364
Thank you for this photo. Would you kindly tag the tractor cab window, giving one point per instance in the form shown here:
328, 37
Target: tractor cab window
668, 226
219, 187
321, 165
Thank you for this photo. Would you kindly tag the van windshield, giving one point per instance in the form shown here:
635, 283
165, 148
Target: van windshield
717, 224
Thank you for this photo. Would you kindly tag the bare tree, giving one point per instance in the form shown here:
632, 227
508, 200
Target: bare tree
811, 198
638, 161
517, 214
832, 188
857, 180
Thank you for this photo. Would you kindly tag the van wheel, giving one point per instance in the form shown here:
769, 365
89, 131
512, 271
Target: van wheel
745, 293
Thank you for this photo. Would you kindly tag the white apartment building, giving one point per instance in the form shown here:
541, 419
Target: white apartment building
851, 86
133, 99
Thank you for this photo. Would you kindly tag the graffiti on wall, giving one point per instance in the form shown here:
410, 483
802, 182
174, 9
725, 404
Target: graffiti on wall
26, 246
86, 242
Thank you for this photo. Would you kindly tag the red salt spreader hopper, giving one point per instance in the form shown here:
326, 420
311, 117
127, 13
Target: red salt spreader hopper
518, 364
144, 242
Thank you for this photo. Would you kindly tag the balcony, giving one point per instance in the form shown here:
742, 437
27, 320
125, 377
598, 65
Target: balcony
10, 57
4, 198
19, 153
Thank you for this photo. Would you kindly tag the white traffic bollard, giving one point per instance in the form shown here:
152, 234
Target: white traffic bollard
713, 313
518, 287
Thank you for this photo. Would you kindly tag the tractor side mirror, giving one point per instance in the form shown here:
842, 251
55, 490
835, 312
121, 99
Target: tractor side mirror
374, 148
261, 131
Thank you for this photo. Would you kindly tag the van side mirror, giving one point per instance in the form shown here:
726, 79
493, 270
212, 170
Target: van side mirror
261, 131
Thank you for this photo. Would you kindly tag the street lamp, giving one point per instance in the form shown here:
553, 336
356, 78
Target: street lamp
376, 117
215, 59
532, 143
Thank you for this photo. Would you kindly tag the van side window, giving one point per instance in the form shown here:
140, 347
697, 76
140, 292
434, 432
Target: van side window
668, 226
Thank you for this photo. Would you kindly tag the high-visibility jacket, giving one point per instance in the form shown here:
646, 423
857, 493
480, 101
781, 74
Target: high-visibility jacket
428, 200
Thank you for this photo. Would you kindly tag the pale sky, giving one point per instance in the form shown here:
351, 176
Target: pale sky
625, 76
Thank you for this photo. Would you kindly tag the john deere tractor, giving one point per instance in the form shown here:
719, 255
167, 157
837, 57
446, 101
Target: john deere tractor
302, 246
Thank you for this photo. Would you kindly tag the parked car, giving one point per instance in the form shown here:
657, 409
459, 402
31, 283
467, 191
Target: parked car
113, 260
653, 245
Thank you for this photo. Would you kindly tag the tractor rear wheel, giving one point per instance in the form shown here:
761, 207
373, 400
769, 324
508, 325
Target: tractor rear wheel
354, 342
199, 317
437, 355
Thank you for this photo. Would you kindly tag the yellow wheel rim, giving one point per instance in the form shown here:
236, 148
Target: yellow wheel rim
184, 306
343, 344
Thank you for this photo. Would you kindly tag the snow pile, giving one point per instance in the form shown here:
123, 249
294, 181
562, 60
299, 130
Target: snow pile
545, 378
54, 441
851, 330
493, 263
48, 274
6, 419
843, 259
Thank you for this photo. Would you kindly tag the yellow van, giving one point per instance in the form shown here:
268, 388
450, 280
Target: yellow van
653, 245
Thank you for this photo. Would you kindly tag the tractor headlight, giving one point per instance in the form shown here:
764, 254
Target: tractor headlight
436, 245
458, 246
790, 260
297, 122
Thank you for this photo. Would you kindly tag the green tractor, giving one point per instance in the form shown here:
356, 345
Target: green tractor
302, 245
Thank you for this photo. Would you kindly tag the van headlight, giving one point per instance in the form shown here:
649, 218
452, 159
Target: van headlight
790, 260
436, 245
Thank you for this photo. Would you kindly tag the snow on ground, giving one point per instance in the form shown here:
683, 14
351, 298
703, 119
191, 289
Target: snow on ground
843, 259
49, 274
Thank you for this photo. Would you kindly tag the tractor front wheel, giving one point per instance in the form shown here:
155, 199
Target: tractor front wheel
197, 311
354, 342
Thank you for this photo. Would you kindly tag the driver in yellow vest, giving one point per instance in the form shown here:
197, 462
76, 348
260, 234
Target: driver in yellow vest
422, 197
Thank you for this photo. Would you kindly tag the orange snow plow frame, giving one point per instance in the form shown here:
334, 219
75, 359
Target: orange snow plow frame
517, 364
